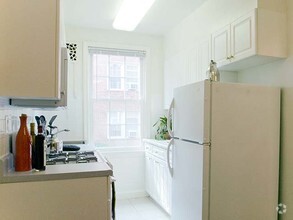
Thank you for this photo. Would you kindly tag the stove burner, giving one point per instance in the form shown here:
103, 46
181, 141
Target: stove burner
71, 157
86, 159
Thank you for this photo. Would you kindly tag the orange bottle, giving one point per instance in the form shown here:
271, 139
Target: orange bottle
23, 157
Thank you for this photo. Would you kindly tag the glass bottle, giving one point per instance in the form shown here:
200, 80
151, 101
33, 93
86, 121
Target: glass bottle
40, 150
23, 159
213, 72
33, 136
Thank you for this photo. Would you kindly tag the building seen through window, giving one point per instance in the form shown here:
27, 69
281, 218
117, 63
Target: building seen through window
115, 94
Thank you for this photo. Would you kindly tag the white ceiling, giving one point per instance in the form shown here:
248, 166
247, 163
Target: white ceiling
163, 15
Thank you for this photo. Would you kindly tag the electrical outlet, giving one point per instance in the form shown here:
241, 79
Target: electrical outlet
2, 126
8, 123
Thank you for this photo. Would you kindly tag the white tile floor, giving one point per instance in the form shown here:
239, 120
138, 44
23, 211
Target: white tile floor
139, 209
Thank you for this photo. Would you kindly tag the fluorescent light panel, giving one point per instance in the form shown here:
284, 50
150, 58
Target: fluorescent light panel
130, 14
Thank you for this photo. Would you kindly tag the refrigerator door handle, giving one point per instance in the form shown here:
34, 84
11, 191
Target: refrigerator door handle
169, 118
197, 142
168, 156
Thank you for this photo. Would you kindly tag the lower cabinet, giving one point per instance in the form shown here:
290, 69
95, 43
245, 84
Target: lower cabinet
86, 198
158, 178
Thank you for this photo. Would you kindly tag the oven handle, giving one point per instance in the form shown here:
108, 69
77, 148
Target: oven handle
113, 199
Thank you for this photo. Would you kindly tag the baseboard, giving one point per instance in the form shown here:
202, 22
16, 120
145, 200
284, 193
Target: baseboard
131, 195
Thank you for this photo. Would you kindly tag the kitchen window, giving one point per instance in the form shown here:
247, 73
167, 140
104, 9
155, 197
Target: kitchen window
116, 96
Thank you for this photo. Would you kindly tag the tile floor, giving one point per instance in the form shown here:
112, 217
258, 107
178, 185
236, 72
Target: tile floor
139, 209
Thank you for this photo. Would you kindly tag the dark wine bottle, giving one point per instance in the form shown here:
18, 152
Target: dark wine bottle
33, 136
40, 151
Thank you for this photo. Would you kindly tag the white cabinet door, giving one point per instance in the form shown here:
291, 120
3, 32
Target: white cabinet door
234, 41
162, 184
167, 190
158, 179
221, 46
149, 173
29, 45
243, 37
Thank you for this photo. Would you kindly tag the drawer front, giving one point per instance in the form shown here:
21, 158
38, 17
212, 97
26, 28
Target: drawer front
148, 148
160, 153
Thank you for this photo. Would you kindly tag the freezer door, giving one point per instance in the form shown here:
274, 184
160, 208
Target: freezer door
191, 113
190, 181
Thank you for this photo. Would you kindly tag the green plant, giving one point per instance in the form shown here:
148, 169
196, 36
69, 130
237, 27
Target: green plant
162, 131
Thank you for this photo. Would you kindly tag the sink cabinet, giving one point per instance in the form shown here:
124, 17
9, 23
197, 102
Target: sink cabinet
158, 178
30, 49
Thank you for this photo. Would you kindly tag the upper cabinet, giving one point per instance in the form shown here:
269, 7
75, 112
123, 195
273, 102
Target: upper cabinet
30, 49
255, 38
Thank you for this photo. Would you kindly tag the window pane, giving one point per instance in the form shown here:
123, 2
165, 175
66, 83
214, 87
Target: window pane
132, 131
114, 82
116, 98
115, 131
116, 69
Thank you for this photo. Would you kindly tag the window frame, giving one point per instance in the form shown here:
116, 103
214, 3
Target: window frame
145, 111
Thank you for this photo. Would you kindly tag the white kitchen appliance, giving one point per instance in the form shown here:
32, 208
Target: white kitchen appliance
225, 151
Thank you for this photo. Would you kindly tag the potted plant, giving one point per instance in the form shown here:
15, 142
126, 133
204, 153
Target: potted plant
162, 131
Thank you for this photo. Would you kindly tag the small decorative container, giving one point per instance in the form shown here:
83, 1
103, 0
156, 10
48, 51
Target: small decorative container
23, 157
213, 73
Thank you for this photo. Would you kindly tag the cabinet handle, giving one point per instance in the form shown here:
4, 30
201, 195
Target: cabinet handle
230, 57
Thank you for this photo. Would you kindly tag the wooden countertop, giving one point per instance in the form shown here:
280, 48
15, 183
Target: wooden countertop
55, 172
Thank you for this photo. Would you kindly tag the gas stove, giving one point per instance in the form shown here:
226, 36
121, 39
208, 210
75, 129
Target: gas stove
71, 157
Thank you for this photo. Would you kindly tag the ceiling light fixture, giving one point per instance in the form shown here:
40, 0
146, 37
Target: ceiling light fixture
130, 14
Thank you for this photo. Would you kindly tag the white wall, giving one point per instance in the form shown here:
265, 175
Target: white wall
214, 14
186, 45
128, 166
72, 117
211, 16
10, 122
129, 170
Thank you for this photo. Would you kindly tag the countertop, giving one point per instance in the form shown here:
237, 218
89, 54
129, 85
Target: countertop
55, 172
158, 143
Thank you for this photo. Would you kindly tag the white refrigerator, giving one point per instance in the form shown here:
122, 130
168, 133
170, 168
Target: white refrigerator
224, 151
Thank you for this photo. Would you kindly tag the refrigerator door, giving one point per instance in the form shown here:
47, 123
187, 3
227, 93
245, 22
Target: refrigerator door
191, 113
244, 170
190, 181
